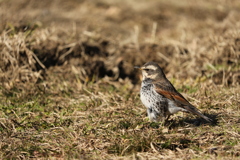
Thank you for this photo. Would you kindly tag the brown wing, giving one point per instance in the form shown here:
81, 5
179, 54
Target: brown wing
173, 96
167, 90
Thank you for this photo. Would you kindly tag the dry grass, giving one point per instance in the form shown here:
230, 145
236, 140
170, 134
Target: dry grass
69, 91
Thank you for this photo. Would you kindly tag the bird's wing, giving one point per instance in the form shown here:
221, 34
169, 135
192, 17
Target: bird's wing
167, 90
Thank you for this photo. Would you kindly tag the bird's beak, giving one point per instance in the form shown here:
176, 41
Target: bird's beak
137, 67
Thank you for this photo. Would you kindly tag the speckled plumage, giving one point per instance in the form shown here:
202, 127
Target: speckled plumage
160, 97
158, 106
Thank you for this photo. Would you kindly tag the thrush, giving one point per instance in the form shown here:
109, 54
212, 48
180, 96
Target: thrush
160, 97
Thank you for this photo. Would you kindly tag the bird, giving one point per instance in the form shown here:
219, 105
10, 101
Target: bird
160, 97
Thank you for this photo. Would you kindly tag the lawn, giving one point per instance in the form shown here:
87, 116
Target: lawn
69, 89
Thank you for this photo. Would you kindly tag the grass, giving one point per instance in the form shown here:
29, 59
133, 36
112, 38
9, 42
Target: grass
69, 90
109, 124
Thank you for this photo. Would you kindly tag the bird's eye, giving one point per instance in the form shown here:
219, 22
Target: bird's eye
147, 70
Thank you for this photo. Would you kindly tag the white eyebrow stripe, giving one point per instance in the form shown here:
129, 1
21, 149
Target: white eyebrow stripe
151, 67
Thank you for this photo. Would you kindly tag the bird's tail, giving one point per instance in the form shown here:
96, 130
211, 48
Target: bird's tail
195, 111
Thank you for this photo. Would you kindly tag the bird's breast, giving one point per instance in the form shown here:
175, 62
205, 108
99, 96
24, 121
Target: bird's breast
149, 96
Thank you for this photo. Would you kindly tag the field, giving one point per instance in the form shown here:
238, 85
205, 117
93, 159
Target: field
69, 89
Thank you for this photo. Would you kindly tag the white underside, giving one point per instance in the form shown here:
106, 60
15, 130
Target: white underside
145, 101
172, 108
151, 116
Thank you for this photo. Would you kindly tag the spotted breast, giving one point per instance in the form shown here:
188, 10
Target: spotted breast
155, 103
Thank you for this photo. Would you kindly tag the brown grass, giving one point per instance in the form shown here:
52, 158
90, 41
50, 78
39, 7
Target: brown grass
69, 91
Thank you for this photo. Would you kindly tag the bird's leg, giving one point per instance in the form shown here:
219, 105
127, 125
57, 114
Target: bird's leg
165, 119
168, 116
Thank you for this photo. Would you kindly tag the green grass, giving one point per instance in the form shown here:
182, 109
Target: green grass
49, 125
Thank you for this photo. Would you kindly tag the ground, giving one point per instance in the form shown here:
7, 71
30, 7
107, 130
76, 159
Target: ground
69, 89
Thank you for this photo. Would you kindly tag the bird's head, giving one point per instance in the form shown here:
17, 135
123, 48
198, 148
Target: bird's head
151, 70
